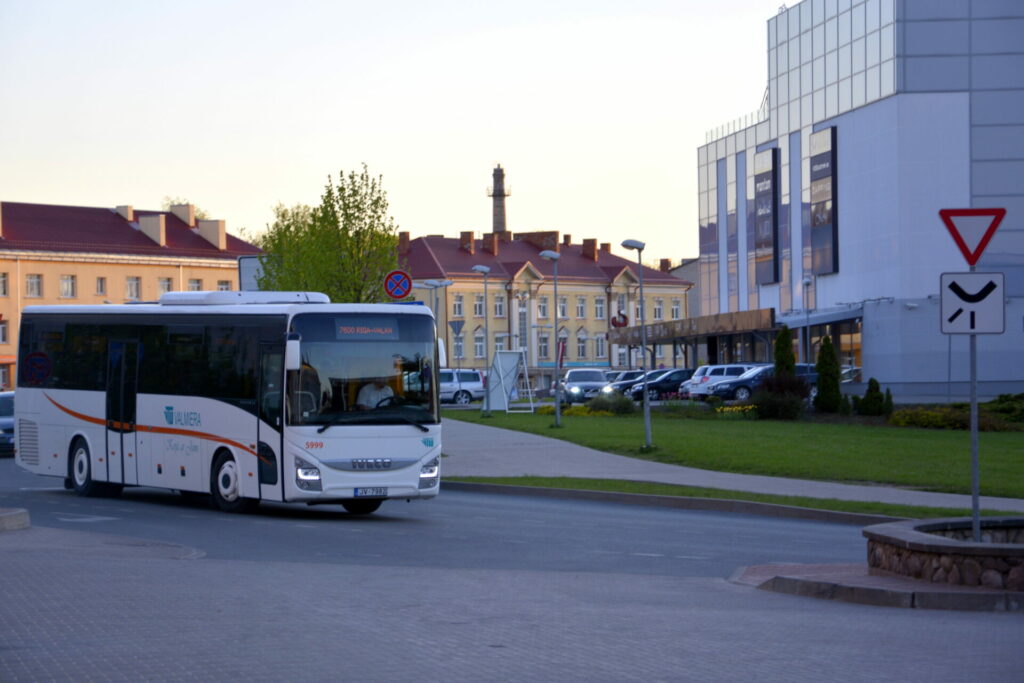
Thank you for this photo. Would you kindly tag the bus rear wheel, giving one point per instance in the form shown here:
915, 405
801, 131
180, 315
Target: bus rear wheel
361, 507
225, 485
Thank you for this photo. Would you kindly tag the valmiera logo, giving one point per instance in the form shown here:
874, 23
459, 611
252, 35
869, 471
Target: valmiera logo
185, 418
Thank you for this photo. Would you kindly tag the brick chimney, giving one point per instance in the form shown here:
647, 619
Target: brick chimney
186, 212
489, 241
403, 243
497, 193
466, 242
665, 265
590, 249
606, 247
213, 232
127, 212
542, 240
566, 240
152, 226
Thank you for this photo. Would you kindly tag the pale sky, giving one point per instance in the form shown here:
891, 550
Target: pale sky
594, 108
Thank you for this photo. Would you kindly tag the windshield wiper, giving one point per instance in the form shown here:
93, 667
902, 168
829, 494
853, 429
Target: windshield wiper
369, 418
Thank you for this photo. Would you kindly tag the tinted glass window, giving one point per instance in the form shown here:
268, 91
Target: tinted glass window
735, 372
446, 376
716, 371
469, 377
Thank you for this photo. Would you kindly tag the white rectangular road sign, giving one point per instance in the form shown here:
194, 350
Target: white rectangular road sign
972, 303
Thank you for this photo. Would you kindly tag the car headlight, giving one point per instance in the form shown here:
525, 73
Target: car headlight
307, 477
430, 473
607, 389
574, 390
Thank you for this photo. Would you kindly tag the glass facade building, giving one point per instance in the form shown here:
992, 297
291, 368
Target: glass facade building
823, 206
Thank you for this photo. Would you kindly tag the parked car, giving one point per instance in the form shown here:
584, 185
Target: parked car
716, 374
664, 384
624, 382
582, 385
460, 386
743, 387
7, 423
637, 384
698, 375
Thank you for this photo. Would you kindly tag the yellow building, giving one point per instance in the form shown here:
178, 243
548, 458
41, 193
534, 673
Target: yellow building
597, 292
84, 255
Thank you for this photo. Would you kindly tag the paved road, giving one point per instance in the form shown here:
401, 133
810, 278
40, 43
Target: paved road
467, 587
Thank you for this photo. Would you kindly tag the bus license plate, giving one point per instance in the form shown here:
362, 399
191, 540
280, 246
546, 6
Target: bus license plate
372, 492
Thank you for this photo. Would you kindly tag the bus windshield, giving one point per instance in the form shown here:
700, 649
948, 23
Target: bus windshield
364, 368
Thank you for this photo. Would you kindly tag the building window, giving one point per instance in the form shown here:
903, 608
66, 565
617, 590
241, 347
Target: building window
457, 306
5, 377
676, 309
600, 347
3, 335
68, 287
659, 350
542, 307
101, 286
195, 285
659, 309
460, 346
478, 306
622, 304
581, 307
499, 343
621, 353
499, 306
563, 307
132, 288
581, 347
599, 308
223, 285
3, 284
34, 285
164, 285
478, 344
543, 348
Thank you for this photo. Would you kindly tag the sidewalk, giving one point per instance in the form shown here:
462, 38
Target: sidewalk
481, 451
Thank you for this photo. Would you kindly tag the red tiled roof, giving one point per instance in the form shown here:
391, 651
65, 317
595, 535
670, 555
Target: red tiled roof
47, 227
439, 257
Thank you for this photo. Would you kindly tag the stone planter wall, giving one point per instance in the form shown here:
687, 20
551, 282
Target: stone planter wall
942, 551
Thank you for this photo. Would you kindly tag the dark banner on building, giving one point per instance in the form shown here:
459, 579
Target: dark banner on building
766, 217
824, 218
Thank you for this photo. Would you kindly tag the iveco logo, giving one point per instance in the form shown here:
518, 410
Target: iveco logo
371, 463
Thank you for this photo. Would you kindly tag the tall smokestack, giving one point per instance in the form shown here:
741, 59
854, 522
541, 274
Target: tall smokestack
497, 193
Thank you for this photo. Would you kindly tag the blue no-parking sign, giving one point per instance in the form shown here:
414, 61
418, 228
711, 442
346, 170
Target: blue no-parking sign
398, 284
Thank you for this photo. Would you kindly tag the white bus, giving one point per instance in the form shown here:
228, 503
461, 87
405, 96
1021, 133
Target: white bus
246, 396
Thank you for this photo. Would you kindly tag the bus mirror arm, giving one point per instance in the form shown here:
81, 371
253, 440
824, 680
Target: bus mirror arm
292, 357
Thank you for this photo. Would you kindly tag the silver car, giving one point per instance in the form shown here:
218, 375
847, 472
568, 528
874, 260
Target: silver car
460, 386
582, 385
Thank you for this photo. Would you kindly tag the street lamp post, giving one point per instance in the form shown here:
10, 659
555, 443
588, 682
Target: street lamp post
639, 247
484, 270
553, 256
807, 319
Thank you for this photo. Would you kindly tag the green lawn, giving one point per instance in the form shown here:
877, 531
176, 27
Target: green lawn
934, 460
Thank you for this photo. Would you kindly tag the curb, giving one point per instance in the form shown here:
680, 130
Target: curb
861, 587
12, 519
743, 507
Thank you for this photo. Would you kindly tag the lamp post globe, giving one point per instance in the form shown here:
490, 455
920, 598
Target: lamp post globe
638, 246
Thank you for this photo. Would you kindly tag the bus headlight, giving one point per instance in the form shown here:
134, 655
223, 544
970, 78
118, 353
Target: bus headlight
307, 477
430, 473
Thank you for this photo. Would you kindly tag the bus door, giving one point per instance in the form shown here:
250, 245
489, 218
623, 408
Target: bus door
270, 425
122, 378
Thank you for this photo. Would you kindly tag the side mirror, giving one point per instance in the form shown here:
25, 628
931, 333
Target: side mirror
292, 354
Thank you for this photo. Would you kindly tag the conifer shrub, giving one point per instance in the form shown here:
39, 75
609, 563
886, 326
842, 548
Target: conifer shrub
829, 397
873, 402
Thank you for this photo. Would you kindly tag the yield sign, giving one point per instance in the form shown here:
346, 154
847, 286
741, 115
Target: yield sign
972, 225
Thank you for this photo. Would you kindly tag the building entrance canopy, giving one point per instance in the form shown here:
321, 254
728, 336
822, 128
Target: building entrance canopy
760, 320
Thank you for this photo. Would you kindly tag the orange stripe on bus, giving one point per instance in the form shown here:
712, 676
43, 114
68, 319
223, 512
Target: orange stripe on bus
158, 430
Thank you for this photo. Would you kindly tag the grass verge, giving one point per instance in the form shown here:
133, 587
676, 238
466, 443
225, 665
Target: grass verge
617, 486
925, 459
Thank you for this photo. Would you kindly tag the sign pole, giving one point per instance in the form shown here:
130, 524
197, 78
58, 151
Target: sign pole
975, 464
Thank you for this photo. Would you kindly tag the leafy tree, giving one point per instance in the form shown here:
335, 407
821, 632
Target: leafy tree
171, 201
829, 396
785, 362
344, 247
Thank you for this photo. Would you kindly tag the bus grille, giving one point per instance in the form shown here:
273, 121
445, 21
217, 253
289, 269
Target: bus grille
28, 442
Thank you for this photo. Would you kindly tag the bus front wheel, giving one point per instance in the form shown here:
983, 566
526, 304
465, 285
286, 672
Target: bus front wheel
225, 485
361, 507
81, 470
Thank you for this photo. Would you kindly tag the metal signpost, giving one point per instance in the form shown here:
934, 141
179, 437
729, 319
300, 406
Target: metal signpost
973, 303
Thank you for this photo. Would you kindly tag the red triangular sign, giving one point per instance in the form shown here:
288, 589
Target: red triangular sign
949, 216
